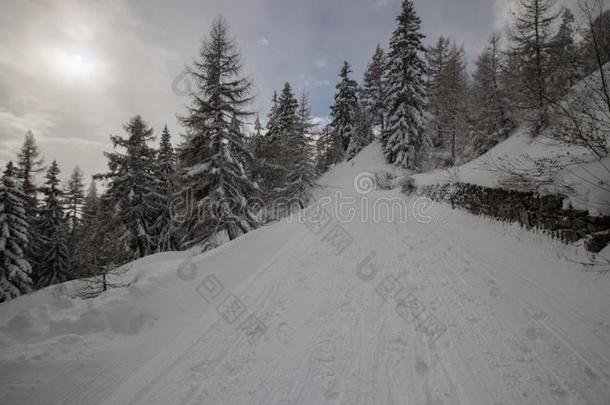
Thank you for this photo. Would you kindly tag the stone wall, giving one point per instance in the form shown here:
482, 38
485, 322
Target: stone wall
546, 212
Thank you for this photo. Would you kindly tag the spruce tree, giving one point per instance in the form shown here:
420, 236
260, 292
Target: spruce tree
90, 205
213, 148
15, 269
29, 164
257, 146
83, 264
277, 150
166, 161
344, 111
323, 144
301, 171
532, 45
373, 91
134, 187
53, 266
363, 135
74, 199
256, 143
268, 168
167, 239
404, 140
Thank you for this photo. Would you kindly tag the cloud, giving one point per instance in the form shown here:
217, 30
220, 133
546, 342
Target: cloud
320, 63
380, 4
320, 122
502, 11
262, 41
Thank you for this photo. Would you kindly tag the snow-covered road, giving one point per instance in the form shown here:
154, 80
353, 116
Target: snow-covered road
461, 310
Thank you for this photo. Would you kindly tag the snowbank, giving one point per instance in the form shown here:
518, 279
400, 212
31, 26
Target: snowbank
543, 164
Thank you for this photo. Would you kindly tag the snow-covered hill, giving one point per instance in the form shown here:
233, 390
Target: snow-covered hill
544, 163
433, 307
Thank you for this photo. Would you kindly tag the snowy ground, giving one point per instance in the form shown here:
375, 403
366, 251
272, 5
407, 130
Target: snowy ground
568, 169
581, 178
334, 309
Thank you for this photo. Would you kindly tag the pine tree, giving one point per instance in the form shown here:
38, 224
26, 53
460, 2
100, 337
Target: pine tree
53, 266
532, 43
90, 205
363, 135
15, 269
328, 150
83, 264
301, 171
491, 117
373, 91
256, 143
257, 146
404, 140
283, 126
166, 160
268, 168
213, 148
278, 151
344, 111
167, 239
134, 187
29, 164
75, 197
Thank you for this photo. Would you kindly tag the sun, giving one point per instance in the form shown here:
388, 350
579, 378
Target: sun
74, 65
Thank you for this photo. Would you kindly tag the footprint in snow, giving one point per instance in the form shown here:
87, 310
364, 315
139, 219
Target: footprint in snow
421, 367
284, 333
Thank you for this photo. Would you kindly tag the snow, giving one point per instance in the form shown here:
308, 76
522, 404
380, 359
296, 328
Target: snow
582, 177
521, 152
519, 319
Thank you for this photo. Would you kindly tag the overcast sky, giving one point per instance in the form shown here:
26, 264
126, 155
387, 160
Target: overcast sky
73, 71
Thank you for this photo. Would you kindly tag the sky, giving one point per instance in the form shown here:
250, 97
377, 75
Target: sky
74, 71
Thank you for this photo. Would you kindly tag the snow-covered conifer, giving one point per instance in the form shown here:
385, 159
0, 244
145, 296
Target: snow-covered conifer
15, 269
363, 135
213, 148
301, 171
344, 111
53, 266
133, 187
167, 238
372, 94
404, 140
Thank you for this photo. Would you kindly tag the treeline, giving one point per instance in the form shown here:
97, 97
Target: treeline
430, 112
421, 103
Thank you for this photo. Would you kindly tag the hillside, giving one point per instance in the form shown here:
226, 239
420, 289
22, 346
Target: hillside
544, 163
443, 308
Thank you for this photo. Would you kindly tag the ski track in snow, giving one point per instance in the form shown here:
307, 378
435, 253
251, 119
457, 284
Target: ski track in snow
515, 332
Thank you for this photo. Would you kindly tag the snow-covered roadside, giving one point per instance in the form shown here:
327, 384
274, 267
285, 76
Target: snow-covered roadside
523, 320
519, 154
